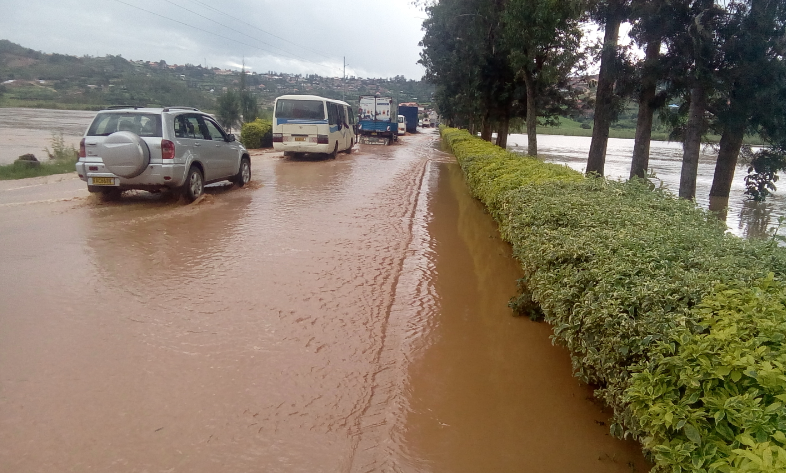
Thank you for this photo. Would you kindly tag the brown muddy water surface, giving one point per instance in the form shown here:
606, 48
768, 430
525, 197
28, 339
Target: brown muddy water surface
342, 315
30, 130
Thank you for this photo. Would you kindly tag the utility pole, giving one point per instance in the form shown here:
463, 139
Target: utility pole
344, 82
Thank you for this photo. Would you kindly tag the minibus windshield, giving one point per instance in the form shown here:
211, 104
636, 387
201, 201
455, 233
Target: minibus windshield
300, 109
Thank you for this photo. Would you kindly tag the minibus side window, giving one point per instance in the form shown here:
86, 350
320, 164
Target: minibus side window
342, 119
351, 116
332, 114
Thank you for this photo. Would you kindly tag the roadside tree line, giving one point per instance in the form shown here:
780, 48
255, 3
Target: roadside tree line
722, 63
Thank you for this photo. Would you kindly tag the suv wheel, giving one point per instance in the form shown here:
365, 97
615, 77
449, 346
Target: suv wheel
244, 174
194, 185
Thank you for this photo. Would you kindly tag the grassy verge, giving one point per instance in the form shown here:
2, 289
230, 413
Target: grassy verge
679, 325
47, 168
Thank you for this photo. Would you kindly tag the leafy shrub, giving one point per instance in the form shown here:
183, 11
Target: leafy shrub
257, 134
617, 268
711, 396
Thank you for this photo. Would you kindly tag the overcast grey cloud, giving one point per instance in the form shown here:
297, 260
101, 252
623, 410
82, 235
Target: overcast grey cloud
379, 38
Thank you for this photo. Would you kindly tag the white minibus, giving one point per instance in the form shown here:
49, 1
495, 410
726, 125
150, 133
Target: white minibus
312, 124
402, 125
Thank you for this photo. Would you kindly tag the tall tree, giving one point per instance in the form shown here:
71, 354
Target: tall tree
702, 49
609, 14
543, 38
465, 56
751, 76
228, 112
654, 23
248, 103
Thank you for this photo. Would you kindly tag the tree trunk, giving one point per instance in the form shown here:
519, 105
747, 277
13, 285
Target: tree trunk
691, 146
604, 99
641, 147
485, 128
532, 115
502, 133
729, 152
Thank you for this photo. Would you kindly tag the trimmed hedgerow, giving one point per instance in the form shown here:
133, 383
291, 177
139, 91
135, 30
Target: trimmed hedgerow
619, 270
711, 397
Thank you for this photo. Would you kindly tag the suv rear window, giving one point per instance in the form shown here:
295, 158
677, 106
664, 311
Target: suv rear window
142, 124
300, 109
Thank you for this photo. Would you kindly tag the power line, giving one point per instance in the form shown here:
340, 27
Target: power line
222, 36
231, 29
316, 51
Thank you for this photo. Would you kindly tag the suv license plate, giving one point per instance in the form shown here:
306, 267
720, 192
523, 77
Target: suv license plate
103, 181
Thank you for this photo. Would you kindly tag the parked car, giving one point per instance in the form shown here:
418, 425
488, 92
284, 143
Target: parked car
178, 148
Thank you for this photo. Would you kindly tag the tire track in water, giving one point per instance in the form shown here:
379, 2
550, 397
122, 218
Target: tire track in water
375, 444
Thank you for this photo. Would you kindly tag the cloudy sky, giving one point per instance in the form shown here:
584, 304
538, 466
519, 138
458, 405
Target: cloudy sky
379, 38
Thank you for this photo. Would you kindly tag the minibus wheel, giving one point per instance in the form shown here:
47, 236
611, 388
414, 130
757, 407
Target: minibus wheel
335, 152
351, 144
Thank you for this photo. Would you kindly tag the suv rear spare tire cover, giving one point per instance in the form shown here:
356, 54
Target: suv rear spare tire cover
125, 154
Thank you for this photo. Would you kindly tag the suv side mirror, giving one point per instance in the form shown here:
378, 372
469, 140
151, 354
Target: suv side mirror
231, 137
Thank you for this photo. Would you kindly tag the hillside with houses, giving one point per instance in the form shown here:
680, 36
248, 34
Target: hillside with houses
30, 78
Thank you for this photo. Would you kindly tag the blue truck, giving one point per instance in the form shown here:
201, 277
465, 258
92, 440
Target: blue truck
410, 112
377, 120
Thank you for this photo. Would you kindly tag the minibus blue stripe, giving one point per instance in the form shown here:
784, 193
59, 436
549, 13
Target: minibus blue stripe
297, 121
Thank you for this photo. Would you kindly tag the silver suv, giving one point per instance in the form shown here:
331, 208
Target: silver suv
153, 148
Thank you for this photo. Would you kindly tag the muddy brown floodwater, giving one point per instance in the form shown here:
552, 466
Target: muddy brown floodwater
30, 130
344, 315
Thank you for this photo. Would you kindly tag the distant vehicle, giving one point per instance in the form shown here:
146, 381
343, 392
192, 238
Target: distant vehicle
426, 123
375, 120
178, 148
313, 124
420, 123
410, 112
402, 125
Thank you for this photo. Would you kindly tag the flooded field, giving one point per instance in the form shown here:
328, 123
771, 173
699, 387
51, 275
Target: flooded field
30, 130
744, 218
337, 315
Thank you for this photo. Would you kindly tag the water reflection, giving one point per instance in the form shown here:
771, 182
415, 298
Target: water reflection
744, 218
756, 219
490, 392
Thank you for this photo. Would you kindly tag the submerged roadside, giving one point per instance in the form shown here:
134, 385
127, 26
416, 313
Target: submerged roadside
632, 279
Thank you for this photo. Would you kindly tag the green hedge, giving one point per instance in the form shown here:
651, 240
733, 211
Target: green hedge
620, 270
257, 134
711, 397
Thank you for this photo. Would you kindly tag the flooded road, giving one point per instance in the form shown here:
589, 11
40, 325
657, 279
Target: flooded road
744, 218
30, 131
342, 315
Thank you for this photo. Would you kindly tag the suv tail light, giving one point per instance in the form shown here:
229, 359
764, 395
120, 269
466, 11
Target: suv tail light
278, 137
167, 149
322, 139
82, 152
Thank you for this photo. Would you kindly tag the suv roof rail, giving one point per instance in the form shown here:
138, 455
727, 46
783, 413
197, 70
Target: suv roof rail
120, 107
180, 108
